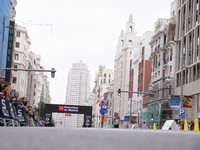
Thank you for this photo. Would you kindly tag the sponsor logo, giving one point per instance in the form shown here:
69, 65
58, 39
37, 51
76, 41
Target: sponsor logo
61, 108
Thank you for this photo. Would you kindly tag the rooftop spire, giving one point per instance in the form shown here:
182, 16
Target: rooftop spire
122, 33
131, 18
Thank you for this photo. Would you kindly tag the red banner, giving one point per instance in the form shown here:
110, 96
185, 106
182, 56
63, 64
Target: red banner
187, 101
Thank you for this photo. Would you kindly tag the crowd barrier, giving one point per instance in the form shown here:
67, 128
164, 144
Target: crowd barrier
10, 116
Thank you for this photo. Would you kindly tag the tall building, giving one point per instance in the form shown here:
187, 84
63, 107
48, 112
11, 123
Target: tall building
139, 77
78, 90
20, 60
188, 24
126, 43
162, 71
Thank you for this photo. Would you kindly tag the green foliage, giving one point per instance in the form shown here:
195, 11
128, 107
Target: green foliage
42, 109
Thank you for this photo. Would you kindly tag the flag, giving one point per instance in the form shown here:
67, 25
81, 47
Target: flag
187, 101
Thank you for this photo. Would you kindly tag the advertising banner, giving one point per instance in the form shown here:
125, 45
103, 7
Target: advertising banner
133, 119
87, 121
175, 100
4, 110
187, 101
126, 118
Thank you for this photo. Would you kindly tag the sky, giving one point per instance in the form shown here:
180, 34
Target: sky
64, 32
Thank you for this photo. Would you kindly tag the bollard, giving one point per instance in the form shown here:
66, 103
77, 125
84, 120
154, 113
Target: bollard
196, 125
185, 125
154, 126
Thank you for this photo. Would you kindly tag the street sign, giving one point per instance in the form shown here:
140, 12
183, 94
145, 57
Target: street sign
181, 113
175, 100
144, 123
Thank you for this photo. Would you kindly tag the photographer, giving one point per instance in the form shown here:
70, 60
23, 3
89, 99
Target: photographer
116, 120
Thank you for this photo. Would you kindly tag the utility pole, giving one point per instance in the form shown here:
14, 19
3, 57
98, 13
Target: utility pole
181, 102
131, 101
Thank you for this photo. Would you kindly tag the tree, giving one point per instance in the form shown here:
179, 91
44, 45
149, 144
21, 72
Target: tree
40, 111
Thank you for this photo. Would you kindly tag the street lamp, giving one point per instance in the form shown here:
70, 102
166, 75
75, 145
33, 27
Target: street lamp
2, 42
182, 44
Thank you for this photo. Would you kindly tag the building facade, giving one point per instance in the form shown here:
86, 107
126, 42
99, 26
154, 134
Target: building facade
126, 43
78, 90
188, 26
104, 84
162, 73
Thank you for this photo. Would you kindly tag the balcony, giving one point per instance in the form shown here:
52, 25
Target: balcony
158, 64
165, 61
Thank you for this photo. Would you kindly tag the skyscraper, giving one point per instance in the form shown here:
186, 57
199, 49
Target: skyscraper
78, 90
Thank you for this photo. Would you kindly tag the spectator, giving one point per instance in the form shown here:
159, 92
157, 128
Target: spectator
5, 91
2, 80
180, 125
20, 103
116, 120
25, 101
11, 97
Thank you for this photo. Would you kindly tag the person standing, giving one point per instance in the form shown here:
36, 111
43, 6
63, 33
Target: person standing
116, 120
2, 80
5, 91
104, 110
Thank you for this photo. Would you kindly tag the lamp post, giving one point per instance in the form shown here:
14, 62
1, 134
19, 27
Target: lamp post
182, 44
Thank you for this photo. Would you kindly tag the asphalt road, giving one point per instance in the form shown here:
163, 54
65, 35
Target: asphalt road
27, 138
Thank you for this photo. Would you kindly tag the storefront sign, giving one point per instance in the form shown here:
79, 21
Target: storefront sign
10, 50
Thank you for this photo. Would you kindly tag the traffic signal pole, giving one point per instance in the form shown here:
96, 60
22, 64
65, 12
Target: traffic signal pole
34, 70
147, 93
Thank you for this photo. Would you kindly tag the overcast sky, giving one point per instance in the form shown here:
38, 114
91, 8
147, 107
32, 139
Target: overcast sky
65, 31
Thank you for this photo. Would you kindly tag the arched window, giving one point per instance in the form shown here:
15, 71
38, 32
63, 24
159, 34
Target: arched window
130, 29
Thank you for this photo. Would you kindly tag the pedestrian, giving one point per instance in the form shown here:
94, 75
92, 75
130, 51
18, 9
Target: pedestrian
5, 91
180, 125
2, 80
104, 110
116, 120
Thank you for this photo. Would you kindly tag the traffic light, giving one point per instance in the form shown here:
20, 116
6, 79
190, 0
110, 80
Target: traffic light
53, 73
151, 116
119, 92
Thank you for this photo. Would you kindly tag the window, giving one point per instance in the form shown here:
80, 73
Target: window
34, 93
170, 69
104, 74
16, 56
14, 79
104, 80
109, 81
34, 85
109, 75
110, 95
17, 44
18, 34
15, 66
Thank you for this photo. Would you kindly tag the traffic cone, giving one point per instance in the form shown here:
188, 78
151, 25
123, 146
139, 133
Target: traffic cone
154, 126
196, 125
185, 125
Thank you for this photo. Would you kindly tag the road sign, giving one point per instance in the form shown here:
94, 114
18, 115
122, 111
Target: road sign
175, 100
144, 124
181, 113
